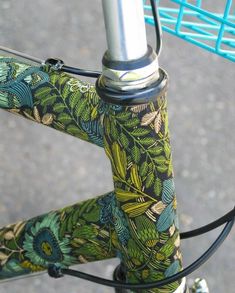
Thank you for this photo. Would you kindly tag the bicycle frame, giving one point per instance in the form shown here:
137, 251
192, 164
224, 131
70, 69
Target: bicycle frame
138, 222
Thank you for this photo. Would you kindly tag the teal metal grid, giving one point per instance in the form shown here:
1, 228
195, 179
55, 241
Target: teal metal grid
193, 21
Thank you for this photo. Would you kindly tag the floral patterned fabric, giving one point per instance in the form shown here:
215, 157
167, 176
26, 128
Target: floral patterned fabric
52, 98
137, 222
137, 144
72, 235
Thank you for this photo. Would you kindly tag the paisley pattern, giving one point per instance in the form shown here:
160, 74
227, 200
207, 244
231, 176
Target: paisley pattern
137, 222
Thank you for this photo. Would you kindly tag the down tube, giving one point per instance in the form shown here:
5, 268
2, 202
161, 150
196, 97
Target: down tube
76, 234
138, 146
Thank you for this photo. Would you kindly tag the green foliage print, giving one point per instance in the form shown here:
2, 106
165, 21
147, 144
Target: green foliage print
52, 98
137, 143
137, 222
76, 234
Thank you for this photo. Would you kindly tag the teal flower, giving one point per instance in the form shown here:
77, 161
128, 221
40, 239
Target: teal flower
43, 246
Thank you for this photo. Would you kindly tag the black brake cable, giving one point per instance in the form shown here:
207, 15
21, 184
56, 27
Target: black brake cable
57, 272
58, 64
211, 226
157, 25
79, 71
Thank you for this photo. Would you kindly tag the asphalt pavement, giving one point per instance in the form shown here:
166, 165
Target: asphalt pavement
42, 169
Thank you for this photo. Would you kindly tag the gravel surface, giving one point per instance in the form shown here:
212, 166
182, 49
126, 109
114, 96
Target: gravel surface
41, 169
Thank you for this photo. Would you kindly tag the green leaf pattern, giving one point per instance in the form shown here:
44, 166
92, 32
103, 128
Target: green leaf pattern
140, 156
70, 103
136, 222
72, 235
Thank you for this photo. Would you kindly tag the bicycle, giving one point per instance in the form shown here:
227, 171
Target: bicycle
49, 120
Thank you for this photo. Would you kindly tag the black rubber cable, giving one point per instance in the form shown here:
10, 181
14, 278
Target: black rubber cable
211, 226
56, 272
78, 71
157, 26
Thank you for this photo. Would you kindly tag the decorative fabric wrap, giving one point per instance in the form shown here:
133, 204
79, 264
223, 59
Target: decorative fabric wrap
137, 144
52, 98
137, 222
76, 234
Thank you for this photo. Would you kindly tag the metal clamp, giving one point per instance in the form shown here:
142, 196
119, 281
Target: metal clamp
54, 63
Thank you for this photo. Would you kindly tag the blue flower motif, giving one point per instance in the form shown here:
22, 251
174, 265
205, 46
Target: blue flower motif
43, 246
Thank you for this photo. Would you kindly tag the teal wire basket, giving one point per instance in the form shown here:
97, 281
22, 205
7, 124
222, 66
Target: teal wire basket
209, 24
